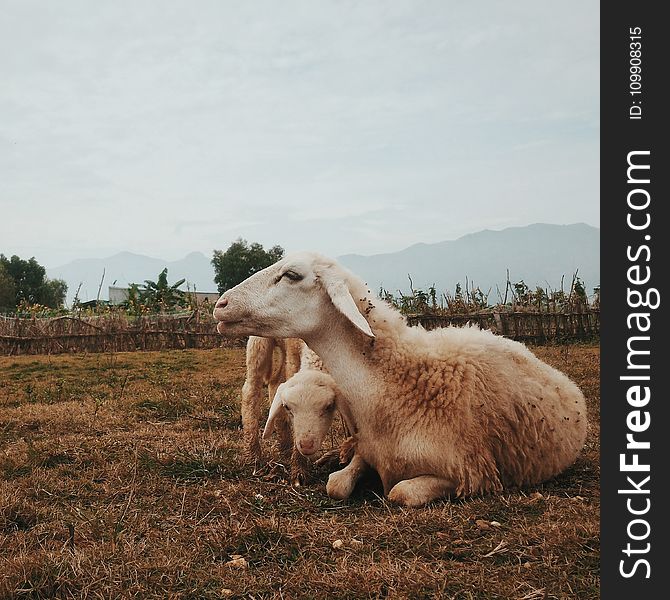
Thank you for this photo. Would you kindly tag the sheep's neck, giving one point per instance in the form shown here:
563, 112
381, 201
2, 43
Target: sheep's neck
346, 357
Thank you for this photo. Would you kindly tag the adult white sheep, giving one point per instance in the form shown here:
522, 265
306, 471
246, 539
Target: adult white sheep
453, 411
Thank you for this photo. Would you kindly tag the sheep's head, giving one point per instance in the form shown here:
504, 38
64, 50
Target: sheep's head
309, 398
292, 298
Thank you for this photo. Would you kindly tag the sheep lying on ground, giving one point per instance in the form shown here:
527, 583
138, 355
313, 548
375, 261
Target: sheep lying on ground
453, 411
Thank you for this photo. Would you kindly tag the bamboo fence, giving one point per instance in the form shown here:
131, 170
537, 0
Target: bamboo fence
117, 332
108, 333
538, 327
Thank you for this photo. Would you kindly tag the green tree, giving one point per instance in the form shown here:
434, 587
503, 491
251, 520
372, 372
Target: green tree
7, 290
31, 284
240, 261
28, 276
159, 295
53, 293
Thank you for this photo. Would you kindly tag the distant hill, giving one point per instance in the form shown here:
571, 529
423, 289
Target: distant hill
540, 254
125, 268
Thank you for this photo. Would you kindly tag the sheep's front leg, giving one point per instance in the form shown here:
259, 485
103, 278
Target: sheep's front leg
421, 490
342, 483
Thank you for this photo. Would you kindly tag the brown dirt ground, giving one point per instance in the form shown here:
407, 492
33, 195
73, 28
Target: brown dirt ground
121, 477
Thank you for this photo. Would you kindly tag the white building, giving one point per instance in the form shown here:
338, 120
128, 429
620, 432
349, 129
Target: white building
119, 295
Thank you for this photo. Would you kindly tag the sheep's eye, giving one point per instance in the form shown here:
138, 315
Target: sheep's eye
287, 409
292, 275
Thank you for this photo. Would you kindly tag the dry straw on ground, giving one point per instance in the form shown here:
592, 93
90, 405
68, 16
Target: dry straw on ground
120, 477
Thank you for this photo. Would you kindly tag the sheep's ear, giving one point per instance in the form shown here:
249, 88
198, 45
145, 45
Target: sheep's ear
275, 408
341, 297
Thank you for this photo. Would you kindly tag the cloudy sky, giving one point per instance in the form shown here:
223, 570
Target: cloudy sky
163, 127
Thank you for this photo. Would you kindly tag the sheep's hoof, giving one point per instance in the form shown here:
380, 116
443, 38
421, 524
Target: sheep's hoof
340, 485
298, 479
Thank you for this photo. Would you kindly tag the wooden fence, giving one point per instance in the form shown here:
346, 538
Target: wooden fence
525, 326
120, 333
108, 333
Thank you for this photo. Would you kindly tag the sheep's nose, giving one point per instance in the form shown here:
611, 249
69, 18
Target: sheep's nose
221, 303
306, 445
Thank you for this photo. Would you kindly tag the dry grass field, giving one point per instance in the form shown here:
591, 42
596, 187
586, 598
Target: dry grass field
120, 477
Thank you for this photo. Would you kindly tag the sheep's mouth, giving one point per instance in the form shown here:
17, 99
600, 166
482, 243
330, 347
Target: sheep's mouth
309, 453
224, 326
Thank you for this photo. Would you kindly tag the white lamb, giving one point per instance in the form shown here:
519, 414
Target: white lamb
453, 411
310, 398
275, 362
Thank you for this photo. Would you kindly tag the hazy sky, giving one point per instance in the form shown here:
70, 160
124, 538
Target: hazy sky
164, 127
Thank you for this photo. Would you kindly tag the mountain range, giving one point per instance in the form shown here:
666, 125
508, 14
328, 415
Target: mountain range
540, 254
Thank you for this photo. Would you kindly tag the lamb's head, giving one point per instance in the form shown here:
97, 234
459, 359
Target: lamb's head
309, 398
295, 297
